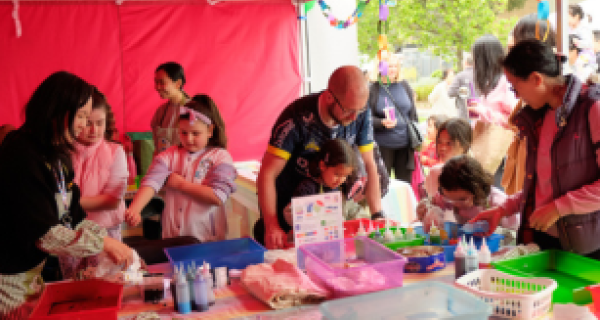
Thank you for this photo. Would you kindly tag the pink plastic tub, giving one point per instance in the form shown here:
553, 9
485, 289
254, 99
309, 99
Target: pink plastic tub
346, 272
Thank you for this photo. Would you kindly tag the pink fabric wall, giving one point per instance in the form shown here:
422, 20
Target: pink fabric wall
244, 55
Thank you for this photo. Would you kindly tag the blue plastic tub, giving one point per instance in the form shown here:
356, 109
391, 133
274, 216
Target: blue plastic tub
424, 300
234, 254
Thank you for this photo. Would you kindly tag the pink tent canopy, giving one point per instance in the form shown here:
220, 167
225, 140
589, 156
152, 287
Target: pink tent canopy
243, 54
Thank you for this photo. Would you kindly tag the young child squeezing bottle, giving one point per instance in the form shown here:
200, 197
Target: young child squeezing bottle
466, 189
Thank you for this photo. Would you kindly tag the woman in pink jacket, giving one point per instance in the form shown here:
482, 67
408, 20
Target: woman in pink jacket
101, 173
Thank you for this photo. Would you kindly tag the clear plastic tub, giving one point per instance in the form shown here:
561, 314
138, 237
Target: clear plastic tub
424, 300
352, 266
510, 296
234, 254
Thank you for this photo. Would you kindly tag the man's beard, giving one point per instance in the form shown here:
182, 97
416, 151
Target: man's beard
333, 116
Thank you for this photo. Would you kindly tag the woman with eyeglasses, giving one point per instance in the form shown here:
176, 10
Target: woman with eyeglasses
561, 122
466, 189
387, 99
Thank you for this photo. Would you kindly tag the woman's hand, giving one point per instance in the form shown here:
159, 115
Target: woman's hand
175, 181
275, 238
118, 252
133, 217
492, 216
543, 218
389, 123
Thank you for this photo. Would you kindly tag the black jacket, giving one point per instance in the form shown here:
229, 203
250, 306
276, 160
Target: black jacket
28, 207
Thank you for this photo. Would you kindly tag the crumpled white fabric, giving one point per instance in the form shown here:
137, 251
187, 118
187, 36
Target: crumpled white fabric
108, 270
281, 285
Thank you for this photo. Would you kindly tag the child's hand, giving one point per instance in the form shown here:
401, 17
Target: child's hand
133, 217
422, 208
492, 216
543, 218
175, 181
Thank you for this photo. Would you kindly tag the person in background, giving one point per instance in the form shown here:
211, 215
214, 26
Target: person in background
441, 103
514, 168
41, 211
561, 120
578, 27
169, 80
454, 137
101, 173
462, 89
391, 134
341, 111
429, 156
496, 100
199, 176
579, 64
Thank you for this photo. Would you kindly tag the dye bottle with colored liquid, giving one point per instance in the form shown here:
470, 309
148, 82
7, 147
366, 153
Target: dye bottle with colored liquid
459, 260
200, 291
434, 235
485, 256
410, 234
209, 282
475, 227
182, 289
471, 260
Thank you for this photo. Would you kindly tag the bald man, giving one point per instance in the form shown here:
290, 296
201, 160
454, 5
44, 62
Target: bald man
340, 111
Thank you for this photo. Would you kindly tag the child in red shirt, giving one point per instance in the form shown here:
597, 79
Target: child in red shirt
428, 154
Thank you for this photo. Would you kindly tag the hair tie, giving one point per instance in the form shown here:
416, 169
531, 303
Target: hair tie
194, 115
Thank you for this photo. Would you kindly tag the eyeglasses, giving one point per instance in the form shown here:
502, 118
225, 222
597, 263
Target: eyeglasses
465, 201
347, 111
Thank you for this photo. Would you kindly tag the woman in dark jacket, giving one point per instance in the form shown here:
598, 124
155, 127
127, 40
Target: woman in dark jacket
391, 133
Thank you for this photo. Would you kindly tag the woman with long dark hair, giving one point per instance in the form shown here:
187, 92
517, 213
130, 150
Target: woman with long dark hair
496, 100
41, 211
559, 200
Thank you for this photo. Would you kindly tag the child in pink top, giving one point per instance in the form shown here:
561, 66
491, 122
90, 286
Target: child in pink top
198, 176
101, 173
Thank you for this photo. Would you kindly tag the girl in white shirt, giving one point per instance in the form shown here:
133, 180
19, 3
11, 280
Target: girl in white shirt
198, 176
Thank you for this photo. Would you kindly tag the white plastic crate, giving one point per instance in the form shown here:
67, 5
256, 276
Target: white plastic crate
510, 296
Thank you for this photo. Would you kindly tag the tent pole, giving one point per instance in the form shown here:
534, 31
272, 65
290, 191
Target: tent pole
562, 36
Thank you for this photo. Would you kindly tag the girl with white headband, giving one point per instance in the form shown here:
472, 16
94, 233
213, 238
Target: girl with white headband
198, 176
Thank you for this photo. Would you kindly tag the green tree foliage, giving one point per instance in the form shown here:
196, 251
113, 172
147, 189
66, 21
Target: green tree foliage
445, 27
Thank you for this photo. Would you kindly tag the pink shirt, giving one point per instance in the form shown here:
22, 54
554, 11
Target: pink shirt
581, 201
102, 169
183, 215
498, 104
